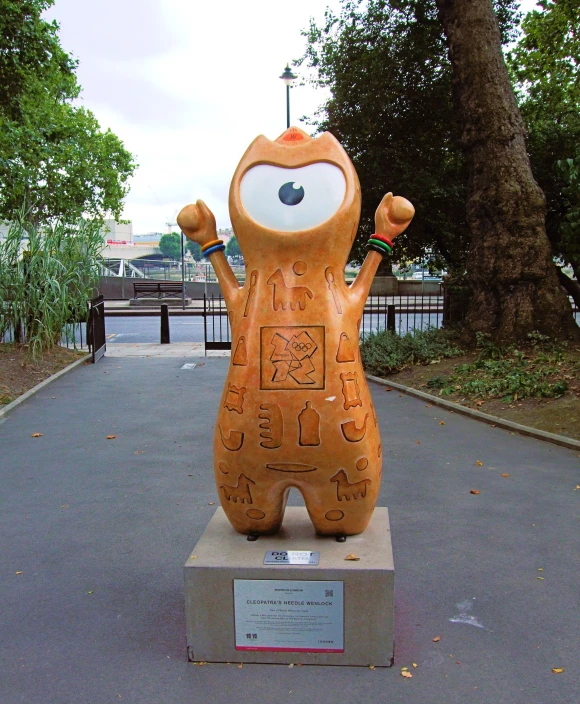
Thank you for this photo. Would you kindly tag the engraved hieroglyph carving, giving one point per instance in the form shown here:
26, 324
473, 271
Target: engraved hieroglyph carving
240, 358
345, 352
347, 490
224, 469
351, 432
290, 467
350, 390
334, 514
235, 398
292, 357
299, 268
362, 464
309, 423
251, 292
331, 283
240, 491
272, 425
287, 296
255, 514
233, 441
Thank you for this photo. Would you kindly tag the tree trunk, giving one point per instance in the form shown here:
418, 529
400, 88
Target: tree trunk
515, 288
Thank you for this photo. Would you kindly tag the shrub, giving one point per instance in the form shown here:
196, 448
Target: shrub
386, 352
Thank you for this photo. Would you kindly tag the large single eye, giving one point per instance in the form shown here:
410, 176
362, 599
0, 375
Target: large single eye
290, 200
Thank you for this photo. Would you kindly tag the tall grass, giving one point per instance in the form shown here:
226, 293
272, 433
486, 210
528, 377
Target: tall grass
47, 276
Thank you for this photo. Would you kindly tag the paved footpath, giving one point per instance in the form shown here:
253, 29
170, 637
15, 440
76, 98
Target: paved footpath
95, 532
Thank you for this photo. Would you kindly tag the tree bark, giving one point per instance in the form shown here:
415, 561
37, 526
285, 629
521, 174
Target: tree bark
515, 288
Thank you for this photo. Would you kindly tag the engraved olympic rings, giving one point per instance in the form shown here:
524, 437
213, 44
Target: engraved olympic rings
301, 346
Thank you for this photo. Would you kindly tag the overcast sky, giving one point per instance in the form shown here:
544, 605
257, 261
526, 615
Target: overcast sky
187, 85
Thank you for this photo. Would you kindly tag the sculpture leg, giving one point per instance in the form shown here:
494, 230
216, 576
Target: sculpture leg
338, 518
261, 517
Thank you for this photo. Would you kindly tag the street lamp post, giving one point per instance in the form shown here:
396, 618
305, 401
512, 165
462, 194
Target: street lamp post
288, 77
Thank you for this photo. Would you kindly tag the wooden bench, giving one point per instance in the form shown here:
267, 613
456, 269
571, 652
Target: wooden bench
162, 289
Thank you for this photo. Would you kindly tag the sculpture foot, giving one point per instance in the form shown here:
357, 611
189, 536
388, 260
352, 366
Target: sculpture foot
252, 537
341, 538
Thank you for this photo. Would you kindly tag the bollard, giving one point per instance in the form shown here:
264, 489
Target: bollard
391, 318
164, 324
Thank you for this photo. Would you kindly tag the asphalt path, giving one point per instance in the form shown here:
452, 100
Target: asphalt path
95, 532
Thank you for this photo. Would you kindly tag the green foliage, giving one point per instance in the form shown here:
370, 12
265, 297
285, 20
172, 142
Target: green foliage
47, 277
30, 52
545, 67
233, 248
509, 373
386, 352
54, 157
170, 245
569, 171
386, 65
194, 249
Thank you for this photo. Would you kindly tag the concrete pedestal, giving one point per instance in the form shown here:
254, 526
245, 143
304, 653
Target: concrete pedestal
222, 555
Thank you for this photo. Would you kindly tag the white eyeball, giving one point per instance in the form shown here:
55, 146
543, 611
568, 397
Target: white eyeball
290, 200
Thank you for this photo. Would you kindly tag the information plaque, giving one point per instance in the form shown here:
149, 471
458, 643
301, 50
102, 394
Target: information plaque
291, 557
289, 616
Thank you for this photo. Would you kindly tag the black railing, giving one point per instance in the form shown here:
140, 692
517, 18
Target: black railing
96, 336
216, 324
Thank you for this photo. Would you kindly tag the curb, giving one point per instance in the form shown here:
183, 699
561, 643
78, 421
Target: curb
35, 389
570, 443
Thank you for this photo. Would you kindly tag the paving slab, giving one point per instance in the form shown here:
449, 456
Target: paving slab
95, 533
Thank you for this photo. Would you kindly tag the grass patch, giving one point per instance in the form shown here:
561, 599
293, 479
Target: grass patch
386, 352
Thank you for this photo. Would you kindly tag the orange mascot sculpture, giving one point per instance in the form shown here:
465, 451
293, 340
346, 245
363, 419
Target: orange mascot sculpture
296, 410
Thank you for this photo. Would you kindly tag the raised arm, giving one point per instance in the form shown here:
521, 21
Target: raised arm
391, 218
197, 223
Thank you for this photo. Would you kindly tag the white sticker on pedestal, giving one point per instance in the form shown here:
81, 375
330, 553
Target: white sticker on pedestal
289, 616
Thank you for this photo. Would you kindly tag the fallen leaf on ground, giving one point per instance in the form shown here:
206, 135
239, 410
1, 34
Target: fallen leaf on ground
406, 674
441, 422
505, 474
414, 664
429, 405
557, 670
241, 664
540, 578
388, 388
111, 437
493, 425
480, 403
436, 639
418, 442
138, 452
352, 557
474, 491
211, 503
19, 573
291, 664
577, 487
478, 463
540, 569
371, 667
89, 592
36, 435
64, 506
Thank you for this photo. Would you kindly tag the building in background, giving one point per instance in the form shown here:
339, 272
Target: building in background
117, 232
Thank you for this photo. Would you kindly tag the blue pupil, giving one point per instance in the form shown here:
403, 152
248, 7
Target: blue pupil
289, 194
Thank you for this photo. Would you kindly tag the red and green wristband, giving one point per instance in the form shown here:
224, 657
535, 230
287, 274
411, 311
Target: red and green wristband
380, 243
